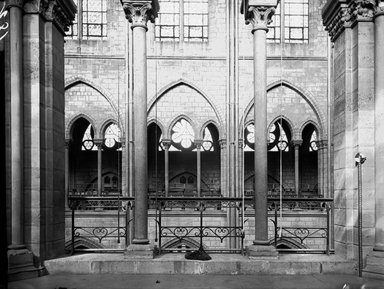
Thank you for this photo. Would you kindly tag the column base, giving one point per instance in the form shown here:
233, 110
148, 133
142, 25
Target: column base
140, 251
21, 265
375, 265
256, 251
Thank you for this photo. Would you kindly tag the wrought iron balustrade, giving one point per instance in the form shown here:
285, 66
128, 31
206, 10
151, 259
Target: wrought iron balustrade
302, 234
206, 209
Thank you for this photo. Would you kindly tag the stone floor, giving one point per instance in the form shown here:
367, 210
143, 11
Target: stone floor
160, 281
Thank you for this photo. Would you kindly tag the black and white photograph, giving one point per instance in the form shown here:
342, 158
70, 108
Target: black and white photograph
192, 144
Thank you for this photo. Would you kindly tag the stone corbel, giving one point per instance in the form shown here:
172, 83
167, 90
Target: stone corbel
139, 12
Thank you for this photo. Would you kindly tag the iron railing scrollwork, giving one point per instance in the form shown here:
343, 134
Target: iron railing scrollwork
203, 209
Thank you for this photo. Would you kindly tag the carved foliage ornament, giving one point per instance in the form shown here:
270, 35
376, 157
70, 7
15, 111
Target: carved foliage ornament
138, 13
260, 17
61, 12
349, 14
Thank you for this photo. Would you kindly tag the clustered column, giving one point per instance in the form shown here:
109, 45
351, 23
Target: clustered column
379, 122
260, 16
138, 13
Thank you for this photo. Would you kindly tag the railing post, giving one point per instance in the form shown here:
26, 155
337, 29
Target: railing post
160, 227
73, 230
328, 227
275, 224
118, 219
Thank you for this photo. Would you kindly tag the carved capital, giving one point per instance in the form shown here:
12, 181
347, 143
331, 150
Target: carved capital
260, 17
198, 143
297, 142
336, 17
139, 12
379, 8
166, 143
321, 144
17, 3
362, 10
223, 143
61, 12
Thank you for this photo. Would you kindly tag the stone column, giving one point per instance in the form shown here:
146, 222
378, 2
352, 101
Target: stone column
296, 145
16, 90
166, 145
99, 145
198, 144
138, 13
260, 14
379, 129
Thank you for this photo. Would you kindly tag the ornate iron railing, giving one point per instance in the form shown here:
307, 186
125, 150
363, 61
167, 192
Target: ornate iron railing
301, 234
199, 207
200, 232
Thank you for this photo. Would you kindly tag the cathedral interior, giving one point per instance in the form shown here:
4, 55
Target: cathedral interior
152, 127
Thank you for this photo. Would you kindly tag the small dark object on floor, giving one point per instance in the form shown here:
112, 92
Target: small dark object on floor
157, 281
198, 255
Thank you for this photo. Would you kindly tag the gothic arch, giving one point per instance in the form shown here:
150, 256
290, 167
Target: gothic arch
73, 81
157, 122
291, 125
68, 130
201, 133
179, 82
300, 131
105, 124
168, 132
303, 93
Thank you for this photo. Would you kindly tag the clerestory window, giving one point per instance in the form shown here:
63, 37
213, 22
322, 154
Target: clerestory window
291, 16
182, 20
90, 21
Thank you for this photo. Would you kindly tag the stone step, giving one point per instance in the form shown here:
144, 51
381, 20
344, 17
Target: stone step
376, 259
375, 273
220, 264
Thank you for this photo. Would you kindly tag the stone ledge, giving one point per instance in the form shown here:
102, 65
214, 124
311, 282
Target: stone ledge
220, 264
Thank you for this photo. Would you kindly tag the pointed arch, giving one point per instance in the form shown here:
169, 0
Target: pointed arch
73, 81
207, 123
153, 120
105, 124
69, 127
302, 127
291, 125
182, 81
308, 97
178, 118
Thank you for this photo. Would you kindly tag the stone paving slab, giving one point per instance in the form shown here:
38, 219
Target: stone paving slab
159, 281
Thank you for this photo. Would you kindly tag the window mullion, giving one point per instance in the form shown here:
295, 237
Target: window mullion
282, 21
80, 20
181, 21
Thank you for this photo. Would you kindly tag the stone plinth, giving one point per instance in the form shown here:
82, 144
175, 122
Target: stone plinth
20, 265
140, 251
261, 252
375, 265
